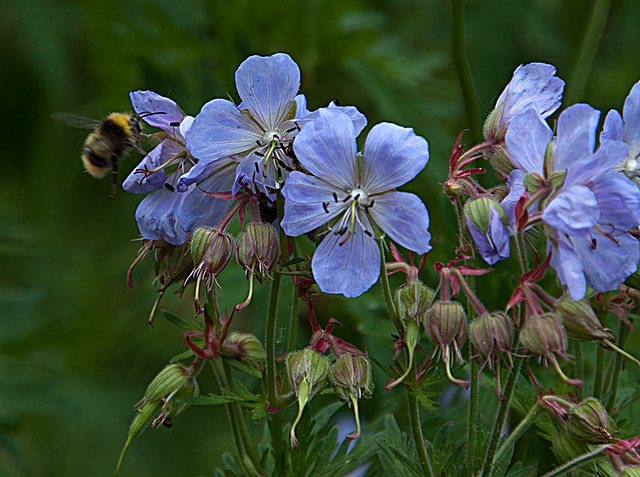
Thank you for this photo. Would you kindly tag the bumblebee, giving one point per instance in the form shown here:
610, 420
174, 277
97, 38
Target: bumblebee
110, 139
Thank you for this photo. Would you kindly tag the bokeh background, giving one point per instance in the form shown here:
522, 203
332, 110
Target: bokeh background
75, 350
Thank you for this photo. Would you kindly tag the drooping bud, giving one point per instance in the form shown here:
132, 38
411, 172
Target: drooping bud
580, 321
257, 251
567, 447
491, 335
446, 324
590, 422
241, 346
160, 402
488, 225
413, 300
170, 379
211, 250
352, 380
544, 337
307, 372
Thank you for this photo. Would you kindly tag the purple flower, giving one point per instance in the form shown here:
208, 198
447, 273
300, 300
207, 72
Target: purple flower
628, 131
487, 222
533, 85
355, 193
262, 128
589, 207
177, 203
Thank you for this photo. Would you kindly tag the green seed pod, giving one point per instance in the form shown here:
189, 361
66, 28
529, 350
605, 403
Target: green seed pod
492, 335
351, 378
258, 249
211, 250
413, 300
241, 346
172, 377
580, 321
543, 336
590, 422
446, 323
478, 212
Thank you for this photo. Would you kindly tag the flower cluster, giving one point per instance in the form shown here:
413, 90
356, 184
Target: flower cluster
271, 144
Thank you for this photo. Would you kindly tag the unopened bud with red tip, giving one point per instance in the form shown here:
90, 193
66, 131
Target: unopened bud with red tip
544, 337
590, 422
307, 372
243, 346
580, 321
211, 250
352, 380
446, 325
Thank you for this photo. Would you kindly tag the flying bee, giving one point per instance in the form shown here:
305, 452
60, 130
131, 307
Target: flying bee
110, 139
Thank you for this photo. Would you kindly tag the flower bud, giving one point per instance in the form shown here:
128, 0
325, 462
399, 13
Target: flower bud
211, 249
258, 249
241, 346
543, 336
169, 380
413, 300
307, 372
580, 321
446, 323
351, 379
491, 335
488, 225
589, 421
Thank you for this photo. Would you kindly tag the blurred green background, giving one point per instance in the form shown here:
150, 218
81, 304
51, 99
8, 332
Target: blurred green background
75, 350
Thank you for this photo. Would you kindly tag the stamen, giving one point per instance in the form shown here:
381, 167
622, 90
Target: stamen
148, 172
346, 198
174, 124
368, 233
257, 168
169, 187
324, 206
259, 154
594, 243
335, 197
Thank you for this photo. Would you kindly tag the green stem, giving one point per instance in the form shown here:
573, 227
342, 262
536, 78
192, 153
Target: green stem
416, 428
598, 380
463, 69
577, 462
218, 371
520, 429
577, 350
242, 422
503, 412
623, 333
474, 395
577, 85
386, 289
277, 438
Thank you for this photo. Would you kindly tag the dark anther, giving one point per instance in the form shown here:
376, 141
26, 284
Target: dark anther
325, 207
594, 243
356, 197
258, 142
174, 124
169, 186
259, 154
346, 198
368, 233
335, 197
336, 101
257, 168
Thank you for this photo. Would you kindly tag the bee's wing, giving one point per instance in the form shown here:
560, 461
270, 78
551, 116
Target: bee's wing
75, 121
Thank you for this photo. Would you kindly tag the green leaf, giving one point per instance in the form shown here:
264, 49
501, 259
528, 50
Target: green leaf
180, 323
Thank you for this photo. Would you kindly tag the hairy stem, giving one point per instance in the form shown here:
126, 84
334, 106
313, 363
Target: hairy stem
501, 418
519, 430
416, 428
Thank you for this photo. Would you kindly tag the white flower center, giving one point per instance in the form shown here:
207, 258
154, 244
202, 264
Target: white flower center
359, 195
